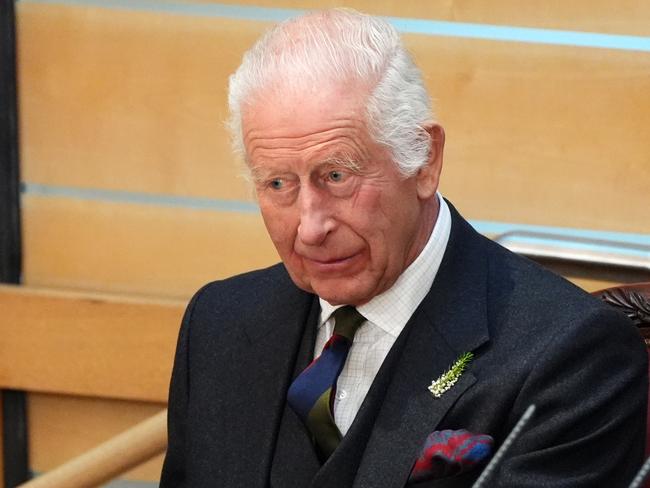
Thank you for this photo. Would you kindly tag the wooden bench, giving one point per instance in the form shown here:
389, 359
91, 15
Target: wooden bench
93, 365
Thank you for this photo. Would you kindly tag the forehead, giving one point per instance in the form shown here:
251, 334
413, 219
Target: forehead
303, 124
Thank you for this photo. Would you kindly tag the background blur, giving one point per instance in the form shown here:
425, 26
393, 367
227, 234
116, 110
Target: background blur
131, 199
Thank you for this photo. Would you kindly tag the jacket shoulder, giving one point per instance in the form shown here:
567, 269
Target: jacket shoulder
527, 283
225, 308
533, 303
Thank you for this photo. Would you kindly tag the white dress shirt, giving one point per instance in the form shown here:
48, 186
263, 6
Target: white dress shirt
386, 315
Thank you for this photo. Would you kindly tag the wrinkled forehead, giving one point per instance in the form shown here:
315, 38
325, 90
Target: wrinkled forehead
309, 125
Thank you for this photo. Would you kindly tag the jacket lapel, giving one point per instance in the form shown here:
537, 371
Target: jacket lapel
295, 461
267, 357
451, 320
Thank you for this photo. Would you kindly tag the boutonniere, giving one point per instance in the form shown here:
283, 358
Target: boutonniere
451, 376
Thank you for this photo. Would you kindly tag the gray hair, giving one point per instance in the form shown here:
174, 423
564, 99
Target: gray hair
342, 45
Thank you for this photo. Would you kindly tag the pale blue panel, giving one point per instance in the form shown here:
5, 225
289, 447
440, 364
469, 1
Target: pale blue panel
122, 196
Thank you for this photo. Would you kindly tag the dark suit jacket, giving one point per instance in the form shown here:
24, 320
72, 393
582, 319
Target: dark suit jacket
535, 337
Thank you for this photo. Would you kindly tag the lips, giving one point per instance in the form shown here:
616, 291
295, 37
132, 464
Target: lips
327, 260
328, 265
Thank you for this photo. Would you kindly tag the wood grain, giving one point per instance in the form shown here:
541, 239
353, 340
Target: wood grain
128, 100
624, 17
137, 249
110, 459
64, 427
544, 136
81, 344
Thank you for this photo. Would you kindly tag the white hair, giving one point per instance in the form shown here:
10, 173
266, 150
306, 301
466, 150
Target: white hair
342, 45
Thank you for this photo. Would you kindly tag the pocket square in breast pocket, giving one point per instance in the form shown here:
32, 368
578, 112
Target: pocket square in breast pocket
449, 453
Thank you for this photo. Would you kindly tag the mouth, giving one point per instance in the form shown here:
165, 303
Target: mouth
330, 265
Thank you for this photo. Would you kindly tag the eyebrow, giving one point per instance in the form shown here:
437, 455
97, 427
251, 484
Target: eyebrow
344, 161
259, 173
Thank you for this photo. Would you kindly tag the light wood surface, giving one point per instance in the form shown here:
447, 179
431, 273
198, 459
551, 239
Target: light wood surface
128, 100
624, 17
545, 136
63, 427
141, 249
109, 459
549, 135
87, 344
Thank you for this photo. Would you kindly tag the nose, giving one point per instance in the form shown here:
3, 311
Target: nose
316, 221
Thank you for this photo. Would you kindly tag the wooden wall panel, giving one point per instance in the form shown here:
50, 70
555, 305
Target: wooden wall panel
534, 131
141, 249
541, 135
87, 345
128, 100
622, 17
63, 427
148, 251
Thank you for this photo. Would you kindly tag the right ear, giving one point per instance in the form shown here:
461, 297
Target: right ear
428, 176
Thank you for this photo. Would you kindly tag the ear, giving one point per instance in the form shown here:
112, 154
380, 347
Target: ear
428, 176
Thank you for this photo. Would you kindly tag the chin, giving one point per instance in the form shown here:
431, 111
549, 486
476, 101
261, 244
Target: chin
338, 295
337, 291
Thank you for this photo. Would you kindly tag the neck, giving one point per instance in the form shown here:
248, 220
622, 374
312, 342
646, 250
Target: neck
428, 221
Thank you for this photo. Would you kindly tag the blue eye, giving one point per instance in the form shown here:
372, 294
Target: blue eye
335, 176
277, 184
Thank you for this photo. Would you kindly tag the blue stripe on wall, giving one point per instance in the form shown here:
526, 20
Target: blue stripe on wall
122, 196
635, 243
405, 25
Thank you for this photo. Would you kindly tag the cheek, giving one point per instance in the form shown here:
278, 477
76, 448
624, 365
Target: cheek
280, 227
367, 209
386, 223
370, 220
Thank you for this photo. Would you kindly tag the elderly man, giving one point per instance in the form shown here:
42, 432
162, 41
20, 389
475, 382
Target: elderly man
328, 370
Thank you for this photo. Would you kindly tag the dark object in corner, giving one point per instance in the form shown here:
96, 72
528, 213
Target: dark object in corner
14, 415
634, 301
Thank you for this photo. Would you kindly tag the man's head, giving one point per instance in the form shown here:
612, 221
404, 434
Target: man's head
335, 125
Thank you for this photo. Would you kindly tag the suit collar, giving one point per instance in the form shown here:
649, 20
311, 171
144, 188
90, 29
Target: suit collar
284, 308
275, 345
459, 293
295, 461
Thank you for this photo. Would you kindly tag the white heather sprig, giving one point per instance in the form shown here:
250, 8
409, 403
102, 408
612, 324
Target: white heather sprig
451, 376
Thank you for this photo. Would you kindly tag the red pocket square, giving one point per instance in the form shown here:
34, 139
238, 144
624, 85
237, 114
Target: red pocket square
450, 452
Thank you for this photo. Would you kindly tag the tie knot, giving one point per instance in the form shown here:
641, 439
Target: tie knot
346, 321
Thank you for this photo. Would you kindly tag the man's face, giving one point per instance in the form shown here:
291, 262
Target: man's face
343, 219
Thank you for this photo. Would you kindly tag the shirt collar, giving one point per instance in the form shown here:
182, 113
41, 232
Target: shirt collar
392, 309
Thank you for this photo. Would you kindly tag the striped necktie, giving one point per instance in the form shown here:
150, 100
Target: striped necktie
311, 395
